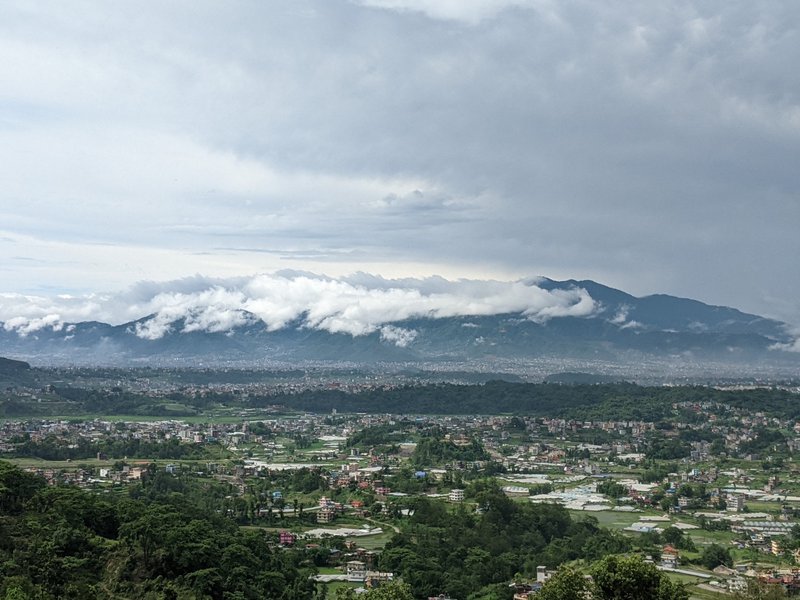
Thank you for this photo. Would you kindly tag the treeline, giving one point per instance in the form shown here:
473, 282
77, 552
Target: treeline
54, 448
614, 401
619, 401
62, 542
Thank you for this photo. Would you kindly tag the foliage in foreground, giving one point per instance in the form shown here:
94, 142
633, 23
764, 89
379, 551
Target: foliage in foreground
62, 542
613, 578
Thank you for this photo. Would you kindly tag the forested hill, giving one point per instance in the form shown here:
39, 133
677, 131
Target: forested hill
14, 372
159, 541
12, 367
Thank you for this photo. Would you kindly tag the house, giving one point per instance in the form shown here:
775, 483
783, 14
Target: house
325, 514
669, 557
735, 503
356, 570
375, 579
287, 538
456, 495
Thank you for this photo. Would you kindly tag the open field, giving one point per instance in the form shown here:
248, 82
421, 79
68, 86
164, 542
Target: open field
609, 518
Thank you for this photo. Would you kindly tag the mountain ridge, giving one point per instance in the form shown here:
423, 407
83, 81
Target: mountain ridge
622, 328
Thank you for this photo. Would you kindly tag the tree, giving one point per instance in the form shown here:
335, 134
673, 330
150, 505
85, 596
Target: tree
673, 536
15, 593
630, 578
392, 590
714, 556
567, 584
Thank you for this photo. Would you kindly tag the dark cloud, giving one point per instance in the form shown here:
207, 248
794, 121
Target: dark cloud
652, 147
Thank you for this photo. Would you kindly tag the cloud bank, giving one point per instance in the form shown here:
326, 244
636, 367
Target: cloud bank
357, 305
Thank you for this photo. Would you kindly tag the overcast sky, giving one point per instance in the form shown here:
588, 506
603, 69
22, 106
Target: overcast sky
651, 146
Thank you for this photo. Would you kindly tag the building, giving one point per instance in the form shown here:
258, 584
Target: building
325, 514
287, 538
456, 495
375, 579
669, 557
735, 502
356, 570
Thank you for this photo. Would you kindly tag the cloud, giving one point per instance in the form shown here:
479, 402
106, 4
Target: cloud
621, 319
470, 138
791, 346
357, 305
467, 11
621, 316
24, 326
399, 336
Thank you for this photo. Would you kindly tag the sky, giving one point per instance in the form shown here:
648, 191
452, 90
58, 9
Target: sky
154, 147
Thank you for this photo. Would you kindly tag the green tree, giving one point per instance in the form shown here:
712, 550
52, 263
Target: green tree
714, 556
567, 584
673, 535
393, 590
15, 593
630, 578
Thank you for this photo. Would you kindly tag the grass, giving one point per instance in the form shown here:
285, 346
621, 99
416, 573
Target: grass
684, 578
609, 518
330, 588
696, 593
767, 507
703, 537
374, 542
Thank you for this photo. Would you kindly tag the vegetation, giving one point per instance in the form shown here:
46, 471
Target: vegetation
613, 578
460, 552
612, 401
66, 543
54, 448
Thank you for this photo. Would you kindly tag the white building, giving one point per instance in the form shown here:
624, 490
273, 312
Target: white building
456, 495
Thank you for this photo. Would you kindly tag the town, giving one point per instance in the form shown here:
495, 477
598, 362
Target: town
709, 492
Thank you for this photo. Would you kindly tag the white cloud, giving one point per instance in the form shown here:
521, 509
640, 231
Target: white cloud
792, 346
356, 305
621, 316
24, 326
399, 336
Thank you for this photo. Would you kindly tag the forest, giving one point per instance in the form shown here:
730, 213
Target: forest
156, 542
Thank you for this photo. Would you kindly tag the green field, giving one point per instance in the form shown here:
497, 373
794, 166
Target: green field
609, 518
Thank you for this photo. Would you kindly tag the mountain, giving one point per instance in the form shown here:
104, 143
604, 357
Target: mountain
623, 329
